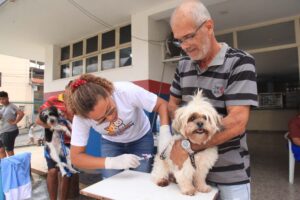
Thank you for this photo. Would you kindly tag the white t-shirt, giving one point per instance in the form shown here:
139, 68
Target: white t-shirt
132, 123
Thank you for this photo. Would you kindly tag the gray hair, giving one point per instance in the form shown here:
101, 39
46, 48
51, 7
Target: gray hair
193, 9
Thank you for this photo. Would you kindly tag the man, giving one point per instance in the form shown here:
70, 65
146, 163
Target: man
10, 115
52, 176
227, 77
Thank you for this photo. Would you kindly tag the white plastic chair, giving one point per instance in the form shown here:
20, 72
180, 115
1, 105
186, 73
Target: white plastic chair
291, 160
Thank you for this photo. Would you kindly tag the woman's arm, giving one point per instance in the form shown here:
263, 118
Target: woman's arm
82, 160
161, 108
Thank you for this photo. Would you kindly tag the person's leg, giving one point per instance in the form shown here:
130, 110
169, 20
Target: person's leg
2, 150
52, 183
52, 176
143, 147
110, 149
64, 187
234, 192
9, 141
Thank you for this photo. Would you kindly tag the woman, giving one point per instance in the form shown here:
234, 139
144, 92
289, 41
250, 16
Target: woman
115, 110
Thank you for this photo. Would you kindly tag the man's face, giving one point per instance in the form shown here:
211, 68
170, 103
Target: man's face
193, 39
3, 100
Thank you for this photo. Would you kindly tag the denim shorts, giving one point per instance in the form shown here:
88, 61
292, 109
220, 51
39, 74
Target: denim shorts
144, 145
7, 140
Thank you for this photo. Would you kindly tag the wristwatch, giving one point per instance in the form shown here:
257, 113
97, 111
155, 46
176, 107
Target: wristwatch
186, 145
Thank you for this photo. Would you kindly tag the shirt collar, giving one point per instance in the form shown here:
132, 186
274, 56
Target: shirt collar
219, 59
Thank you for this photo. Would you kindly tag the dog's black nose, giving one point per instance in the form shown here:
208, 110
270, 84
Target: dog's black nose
200, 124
52, 121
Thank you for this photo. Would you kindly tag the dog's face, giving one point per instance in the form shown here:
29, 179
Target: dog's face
198, 121
50, 116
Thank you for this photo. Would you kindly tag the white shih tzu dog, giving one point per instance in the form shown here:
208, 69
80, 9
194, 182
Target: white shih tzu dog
194, 123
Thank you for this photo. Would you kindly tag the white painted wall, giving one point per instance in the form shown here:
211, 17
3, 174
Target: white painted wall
15, 81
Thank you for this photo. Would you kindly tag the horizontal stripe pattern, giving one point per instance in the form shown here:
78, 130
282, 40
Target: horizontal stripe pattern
231, 84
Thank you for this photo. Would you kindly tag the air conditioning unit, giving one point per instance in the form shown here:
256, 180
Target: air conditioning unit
173, 50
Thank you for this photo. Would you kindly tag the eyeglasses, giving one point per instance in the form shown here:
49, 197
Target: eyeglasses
109, 111
107, 114
188, 37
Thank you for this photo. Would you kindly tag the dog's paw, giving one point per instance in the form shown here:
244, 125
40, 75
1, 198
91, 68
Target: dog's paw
162, 182
204, 188
190, 191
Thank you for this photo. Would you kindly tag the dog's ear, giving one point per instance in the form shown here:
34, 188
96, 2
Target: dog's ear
44, 115
177, 122
53, 109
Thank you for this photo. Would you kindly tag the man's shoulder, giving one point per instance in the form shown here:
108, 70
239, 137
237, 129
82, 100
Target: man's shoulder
234, 52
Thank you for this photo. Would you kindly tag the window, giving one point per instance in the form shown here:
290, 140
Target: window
103, 51
108, 39
77, 49
92, 64
65, 71
92, 44
77, 68
125, 34
227, 38
108, 61
276, 68
65, 53
267, 36
125, 57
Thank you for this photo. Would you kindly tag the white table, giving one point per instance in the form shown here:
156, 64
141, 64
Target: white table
132, 185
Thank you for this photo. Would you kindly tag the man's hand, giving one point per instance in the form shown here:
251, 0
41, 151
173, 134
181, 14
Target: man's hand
124, 161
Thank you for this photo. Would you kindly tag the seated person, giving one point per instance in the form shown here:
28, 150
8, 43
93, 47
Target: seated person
294, 130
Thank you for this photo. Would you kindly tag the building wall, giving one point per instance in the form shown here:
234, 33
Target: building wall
15, 81
151, 70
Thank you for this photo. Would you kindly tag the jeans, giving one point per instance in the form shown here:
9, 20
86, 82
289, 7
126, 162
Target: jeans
144, 145
233, 192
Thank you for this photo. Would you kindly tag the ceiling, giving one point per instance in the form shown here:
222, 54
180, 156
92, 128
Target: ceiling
28, 26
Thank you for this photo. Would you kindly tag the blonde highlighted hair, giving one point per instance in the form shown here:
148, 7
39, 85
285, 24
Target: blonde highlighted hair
84, 93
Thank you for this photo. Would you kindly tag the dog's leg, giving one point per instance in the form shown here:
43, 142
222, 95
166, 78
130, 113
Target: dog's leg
55, 156
160, 172
69, 164
184, 178
200, 182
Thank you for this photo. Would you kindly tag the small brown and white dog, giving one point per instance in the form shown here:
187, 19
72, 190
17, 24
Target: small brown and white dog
194, 123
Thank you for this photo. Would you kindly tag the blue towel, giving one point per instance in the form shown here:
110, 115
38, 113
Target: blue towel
16, 180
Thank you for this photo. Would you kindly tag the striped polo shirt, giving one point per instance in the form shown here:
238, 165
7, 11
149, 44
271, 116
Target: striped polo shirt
229, 80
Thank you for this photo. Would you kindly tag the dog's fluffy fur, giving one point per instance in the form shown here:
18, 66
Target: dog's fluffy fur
198, 121
58, 126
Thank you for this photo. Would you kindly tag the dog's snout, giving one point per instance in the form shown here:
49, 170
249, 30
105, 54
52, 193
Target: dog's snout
200, 124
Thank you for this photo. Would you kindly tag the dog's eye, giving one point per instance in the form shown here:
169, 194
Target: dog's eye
204, 117
192, 118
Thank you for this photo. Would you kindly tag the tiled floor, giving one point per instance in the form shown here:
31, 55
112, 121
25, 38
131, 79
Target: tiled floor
269, 167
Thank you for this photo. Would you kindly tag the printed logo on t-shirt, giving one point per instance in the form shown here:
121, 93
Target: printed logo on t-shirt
117, 127
218, 90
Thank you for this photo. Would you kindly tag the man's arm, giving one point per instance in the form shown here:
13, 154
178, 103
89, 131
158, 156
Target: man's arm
234, 124
173, 105
20, 115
